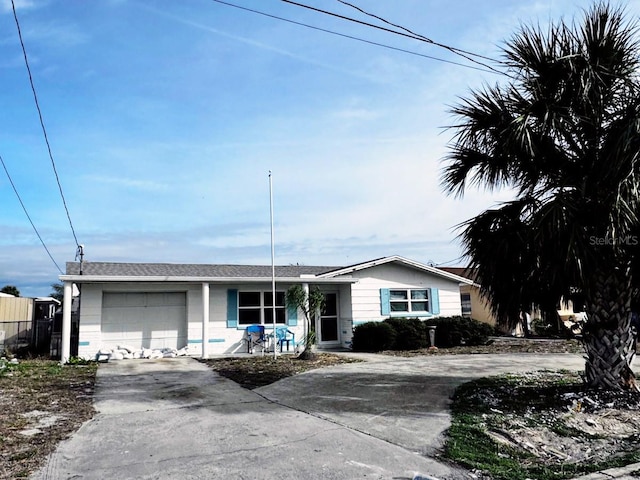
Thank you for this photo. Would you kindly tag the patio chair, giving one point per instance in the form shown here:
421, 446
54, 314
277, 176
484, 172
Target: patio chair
255, 337
284, 335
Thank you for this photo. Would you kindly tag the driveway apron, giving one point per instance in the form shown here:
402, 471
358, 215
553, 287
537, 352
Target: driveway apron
176, 418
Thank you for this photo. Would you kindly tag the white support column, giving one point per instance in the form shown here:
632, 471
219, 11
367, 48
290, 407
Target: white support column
307, 323
65, 348
205, 320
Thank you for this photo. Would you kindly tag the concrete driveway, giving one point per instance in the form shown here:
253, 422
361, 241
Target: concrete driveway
403, 401
175, 418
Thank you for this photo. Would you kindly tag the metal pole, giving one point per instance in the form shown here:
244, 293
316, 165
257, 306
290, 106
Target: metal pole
273, 269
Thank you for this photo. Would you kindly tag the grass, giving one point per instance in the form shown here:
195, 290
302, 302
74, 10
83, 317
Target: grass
42, 395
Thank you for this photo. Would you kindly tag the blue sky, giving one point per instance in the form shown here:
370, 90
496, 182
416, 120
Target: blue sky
165, 118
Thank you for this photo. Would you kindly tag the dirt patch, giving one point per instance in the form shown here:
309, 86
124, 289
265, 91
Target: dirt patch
41, 404
256, 371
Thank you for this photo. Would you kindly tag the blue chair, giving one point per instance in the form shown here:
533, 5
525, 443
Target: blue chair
284, 335
255, 337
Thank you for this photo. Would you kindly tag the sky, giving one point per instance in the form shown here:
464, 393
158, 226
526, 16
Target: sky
164, 120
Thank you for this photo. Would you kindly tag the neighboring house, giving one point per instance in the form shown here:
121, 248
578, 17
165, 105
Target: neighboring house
473, 303
155, 305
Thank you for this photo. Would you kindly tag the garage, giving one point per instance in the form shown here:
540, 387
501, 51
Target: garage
144, 319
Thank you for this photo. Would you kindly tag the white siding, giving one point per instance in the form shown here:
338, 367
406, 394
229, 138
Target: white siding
222, 339
365, 294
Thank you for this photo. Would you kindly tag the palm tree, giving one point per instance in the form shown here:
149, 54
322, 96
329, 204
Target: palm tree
564, 133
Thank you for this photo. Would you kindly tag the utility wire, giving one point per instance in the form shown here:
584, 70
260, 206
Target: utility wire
351, 37
453, 260
28, 216
426, 39
466, 55
44, 130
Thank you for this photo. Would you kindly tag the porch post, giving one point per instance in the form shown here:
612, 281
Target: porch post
65, 347
205, 320
308, 318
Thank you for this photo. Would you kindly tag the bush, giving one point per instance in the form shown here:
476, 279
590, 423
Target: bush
456, 331
411, 333
373, 337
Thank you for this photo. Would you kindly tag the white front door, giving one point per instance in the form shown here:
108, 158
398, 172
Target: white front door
327, 323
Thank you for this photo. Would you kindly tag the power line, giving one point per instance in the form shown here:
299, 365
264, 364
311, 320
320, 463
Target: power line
457, 51
462, 53
28, 216
44, 130
351, 37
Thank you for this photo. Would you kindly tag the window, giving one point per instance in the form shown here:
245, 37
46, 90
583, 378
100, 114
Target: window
257, 308
465, 301
408, 301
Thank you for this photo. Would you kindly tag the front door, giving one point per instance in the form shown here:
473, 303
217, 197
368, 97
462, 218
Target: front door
327, 325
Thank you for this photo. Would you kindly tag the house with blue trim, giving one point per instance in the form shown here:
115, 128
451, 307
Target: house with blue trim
208, 307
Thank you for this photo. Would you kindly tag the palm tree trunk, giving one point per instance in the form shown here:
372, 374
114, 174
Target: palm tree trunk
608, 339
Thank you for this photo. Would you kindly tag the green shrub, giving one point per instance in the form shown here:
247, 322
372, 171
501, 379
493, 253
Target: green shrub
456, 331
411, 334
373, 337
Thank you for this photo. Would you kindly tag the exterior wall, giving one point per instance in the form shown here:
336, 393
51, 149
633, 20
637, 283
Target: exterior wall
479, 307
229, 340
357, 303
222, 339
365, 294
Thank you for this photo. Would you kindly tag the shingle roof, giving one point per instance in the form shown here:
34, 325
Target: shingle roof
114, 269
466, 272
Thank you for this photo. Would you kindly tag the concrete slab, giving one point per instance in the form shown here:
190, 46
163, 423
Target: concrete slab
404, 401
175, 418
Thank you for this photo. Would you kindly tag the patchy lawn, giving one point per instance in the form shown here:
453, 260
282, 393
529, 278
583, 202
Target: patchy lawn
542, 425
41, 404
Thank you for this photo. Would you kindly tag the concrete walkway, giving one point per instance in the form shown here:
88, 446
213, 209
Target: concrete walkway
175, 418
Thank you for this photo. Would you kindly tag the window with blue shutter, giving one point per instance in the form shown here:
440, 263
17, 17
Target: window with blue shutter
232, 308
414, 302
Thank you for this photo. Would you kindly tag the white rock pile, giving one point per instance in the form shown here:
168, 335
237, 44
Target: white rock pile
125, 352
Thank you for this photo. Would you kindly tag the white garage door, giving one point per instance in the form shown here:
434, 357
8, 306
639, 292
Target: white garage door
144, 320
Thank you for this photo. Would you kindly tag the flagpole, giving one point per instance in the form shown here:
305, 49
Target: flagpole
273, 268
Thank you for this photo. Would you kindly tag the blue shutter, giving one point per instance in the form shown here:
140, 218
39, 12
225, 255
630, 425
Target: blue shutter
435, 301
232, 308
385, 304
292, 316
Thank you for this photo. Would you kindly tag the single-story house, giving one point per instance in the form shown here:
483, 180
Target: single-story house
208, 307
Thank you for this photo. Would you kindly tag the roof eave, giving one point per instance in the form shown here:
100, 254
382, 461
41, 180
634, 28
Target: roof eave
398, 258
218, 280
